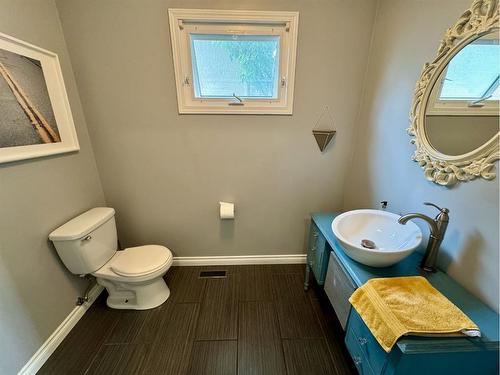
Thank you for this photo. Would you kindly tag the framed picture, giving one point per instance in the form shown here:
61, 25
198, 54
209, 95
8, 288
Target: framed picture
35, 116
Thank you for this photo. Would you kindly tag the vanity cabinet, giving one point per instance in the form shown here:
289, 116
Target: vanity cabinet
411, 354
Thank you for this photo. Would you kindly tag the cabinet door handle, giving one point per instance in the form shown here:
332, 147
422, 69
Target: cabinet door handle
313, 255
357, 360
362, 341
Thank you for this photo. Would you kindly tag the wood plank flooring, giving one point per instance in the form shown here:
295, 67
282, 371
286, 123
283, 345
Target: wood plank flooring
256, 321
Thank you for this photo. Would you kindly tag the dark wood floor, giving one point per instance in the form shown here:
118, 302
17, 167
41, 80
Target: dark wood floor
257, 320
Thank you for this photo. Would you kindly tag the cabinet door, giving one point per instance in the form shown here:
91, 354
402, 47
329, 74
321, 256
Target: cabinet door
360, 361
317, 255
321, 259
338, 288
366, 344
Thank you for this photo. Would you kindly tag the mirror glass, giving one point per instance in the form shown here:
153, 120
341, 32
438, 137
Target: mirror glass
462, 110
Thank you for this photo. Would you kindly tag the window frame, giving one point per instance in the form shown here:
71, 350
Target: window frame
183, 22
460, 107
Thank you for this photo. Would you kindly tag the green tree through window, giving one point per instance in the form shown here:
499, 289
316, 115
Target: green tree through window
244, 65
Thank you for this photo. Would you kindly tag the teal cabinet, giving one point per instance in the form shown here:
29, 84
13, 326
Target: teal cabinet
317, 255
360, 340
370, 358
355, 346
411, 355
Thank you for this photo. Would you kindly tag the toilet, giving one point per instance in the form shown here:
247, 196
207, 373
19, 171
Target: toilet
88, 244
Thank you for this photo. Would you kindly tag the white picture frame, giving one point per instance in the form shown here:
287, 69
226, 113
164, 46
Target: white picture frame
57, 135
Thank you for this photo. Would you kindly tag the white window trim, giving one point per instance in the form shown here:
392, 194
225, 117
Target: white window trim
183, 20
457, 107
439, 107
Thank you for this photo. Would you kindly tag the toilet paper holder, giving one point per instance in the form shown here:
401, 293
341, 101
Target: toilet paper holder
226, 210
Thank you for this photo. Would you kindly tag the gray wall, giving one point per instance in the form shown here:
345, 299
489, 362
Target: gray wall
407, 34
166, 173
457, 135
37, 195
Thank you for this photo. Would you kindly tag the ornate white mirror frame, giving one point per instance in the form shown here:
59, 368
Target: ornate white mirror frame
480, 19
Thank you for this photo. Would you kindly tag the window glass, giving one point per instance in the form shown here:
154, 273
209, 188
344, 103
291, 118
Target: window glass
246, 66
473, 73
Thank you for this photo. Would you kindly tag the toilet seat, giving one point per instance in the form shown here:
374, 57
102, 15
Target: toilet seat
139, 261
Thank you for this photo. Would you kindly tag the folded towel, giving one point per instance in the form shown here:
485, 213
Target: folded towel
397, 306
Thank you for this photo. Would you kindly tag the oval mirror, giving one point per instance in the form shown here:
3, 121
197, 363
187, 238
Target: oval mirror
454, 118
461, 114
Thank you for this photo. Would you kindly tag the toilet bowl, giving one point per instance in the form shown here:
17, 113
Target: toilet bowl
133, 277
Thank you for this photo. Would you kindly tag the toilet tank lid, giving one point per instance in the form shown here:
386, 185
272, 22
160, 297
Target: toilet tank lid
83, 224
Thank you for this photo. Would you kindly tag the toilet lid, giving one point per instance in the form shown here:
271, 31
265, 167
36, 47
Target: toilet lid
141, 260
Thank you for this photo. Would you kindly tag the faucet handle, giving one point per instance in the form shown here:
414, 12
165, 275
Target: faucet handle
445, 210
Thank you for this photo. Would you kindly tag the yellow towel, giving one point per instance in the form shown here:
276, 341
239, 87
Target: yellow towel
397, 306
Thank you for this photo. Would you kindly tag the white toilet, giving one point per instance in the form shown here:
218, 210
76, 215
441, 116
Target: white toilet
133, 277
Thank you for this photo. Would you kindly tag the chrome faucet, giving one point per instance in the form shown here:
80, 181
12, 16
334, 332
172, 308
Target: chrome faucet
437, 227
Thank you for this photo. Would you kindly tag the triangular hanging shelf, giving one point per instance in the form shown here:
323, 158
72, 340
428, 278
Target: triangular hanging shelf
323, 137
323, 130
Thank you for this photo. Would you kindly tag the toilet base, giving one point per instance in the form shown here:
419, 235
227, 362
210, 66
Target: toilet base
135, 296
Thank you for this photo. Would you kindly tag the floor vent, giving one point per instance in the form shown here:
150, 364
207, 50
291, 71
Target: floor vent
212, 274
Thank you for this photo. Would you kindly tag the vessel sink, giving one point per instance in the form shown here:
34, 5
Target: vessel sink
375, 238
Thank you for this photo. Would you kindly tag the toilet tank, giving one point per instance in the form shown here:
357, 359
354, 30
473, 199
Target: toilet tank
88, 241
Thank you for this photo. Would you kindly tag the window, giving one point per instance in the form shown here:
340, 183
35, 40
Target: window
470, 83
234, 61
226, 65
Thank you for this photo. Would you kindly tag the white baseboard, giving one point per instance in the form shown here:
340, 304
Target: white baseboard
51, 344
243, 259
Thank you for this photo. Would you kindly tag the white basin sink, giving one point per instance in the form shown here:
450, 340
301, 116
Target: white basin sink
390, 240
